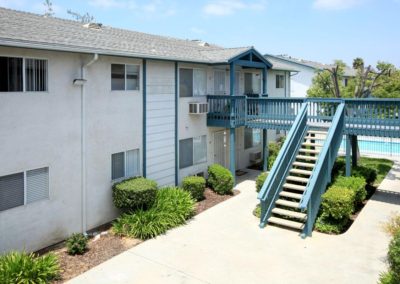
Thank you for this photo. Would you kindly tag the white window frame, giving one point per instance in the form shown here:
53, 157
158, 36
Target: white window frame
125, 73
125, 165
24, 75
283, 81
194, 68
193, 163
26, 188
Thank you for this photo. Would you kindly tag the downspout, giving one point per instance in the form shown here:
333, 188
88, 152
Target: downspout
83, 142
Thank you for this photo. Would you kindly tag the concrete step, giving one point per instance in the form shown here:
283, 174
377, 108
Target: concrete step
287, 203
298, 179
304, 165
302, 150
317, 132
300, 172
291, 195
302, 157
286, 223
293, 214
294, 186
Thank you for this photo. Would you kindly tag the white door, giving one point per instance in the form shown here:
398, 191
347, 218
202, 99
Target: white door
220, 148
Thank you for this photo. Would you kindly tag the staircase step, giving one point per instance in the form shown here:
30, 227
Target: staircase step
286, 223
293, 214
302, 157
291, 195
312, 144
305, 165
302, 150
294, 186
300, 172
287, 203
317, 132
298, 179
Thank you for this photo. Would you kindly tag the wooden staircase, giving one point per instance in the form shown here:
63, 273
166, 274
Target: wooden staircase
286, 212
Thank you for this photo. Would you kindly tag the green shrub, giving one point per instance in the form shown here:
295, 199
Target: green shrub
369, 174
220, 179
257, 211
20, 267
172, 207
326, 224
195, 185
392, 227
394, 255
134, 193
339, 167
260, 180
338, 202
388, 278
77, 244
357, 184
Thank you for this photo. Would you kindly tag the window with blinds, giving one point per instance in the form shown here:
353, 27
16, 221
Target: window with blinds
192, 82
24, 188
18, 75
125, 164
192, 151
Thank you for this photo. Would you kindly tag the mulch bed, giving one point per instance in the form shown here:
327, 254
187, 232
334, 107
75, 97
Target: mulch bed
106, 244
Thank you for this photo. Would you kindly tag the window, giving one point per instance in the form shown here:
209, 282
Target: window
124, 77
192, 151
11, 74
280, 80
24, 188
252, 83
252, 137
192, 82
219, 82
125, 164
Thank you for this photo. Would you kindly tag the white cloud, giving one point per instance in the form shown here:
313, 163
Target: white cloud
335, 4
229, 7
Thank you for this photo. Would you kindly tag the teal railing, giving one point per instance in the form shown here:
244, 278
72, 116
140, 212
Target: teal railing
321, 175
269, 192
226, 111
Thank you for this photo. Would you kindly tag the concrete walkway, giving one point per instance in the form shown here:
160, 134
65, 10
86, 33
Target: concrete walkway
225, 245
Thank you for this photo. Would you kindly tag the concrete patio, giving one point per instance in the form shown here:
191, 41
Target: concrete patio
225, 245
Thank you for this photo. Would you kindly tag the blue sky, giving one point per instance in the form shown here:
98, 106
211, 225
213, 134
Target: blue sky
320, 30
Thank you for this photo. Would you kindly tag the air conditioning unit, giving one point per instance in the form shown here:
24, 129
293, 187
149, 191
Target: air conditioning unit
255, 157
198, 108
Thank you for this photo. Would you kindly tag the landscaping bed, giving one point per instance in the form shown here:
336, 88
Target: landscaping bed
212, 199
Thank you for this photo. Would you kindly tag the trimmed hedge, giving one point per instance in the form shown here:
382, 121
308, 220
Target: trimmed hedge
134, 193
195, 185
260, 180
394, 255
357, 184
21, 267
326, 224
220, 179
77, 244
338, 202
369, 174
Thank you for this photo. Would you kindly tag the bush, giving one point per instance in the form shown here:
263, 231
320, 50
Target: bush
394, 255
172, 207
388, 278
339, 167
257, 211
195, 185
392, 227
326, 224
77, 244
134, 193
220, 179
356, 184
338, 202
20, 267
260, 180
369, 174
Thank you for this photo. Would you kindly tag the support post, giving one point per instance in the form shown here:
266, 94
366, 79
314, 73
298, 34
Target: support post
354, 146
348, 163
232, 160
264, 81
144, 118
265, 150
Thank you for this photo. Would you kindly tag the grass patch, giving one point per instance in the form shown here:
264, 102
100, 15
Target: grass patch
257, 211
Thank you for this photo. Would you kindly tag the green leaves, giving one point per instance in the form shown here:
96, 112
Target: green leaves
195, 185
77, 244
220, 179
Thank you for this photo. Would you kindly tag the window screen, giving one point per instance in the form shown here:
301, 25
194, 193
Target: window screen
219, 82
199, 82
185, 153
117, 165
10, 74
132, 77
279, 81
200, 149
185, 82
117, 77
37, 185
11, 191
132, 163
35, 75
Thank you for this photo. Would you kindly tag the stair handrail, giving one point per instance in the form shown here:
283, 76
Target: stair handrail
321, 175
270, 189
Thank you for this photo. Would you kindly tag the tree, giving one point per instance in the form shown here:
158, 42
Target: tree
83, 18
49, 12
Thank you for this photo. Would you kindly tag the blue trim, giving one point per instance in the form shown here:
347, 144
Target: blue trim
253, 53
232, 162
176, 126
251, 64
348, 161
144, 117
265, 149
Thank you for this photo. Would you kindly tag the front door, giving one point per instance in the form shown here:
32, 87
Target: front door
220, 148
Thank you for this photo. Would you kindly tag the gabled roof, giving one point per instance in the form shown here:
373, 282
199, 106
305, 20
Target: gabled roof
22, 29
307, 63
